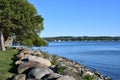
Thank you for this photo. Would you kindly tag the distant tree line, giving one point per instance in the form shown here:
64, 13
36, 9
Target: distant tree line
82, 38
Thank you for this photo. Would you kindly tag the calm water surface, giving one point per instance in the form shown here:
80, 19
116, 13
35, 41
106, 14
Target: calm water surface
102, 56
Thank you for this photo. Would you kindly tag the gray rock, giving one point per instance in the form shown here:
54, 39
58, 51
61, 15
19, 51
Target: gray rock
40, 60
66, 78
39, 72
71, 72
51, 76
20, 77
18, 62
24, 53
23, 67
27, 50
32, 79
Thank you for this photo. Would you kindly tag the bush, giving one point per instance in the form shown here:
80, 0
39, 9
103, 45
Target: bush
54, 60
61, 69
88, 77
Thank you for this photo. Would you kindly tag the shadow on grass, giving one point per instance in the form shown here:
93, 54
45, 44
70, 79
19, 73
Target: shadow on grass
10, 78
14, 67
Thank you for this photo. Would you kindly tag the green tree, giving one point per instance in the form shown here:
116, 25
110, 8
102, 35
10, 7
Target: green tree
19, 17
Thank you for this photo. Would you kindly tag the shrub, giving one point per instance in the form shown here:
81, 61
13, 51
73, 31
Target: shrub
61, 69
88, 77
54, 60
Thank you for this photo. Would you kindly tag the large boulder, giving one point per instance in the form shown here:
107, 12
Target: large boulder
40, 60
24, 53
88, 73
27, 50
39, 72
72, 72
23, 67
51, 76
66, 78
20, 77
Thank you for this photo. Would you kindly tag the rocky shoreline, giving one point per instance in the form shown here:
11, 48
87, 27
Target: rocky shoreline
36, 65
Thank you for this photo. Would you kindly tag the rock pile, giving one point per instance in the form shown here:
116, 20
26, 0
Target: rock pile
78, 71
34, 65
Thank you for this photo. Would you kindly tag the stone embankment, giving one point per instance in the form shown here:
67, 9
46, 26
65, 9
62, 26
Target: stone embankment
35, 65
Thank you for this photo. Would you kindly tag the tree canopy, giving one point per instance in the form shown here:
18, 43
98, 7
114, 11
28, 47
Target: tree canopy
20, 18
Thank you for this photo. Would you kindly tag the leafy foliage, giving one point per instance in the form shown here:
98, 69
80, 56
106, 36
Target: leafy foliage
19, 17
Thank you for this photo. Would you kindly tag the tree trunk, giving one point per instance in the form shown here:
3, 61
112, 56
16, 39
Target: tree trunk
2, 41
8, 42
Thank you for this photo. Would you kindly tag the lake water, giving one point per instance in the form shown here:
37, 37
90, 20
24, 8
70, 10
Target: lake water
104, 56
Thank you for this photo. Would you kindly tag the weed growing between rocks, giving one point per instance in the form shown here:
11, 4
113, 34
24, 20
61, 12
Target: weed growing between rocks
46, 55
88, 77
79, 73
61, 69
54, 60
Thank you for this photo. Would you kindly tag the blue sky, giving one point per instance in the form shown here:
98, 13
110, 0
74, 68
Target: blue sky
79, 17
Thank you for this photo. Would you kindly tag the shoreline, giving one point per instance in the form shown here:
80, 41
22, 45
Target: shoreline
85, 70
59, 65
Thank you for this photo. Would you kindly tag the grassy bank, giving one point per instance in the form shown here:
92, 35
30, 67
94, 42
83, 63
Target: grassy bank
7, 63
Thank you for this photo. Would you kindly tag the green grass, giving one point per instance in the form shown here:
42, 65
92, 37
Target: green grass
7, 64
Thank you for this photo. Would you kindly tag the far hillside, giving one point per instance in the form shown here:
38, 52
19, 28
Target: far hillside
82, 38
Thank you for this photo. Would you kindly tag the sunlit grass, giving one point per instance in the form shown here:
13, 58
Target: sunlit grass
6, 63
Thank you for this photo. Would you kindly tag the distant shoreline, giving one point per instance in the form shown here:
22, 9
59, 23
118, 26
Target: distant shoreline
82, 38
